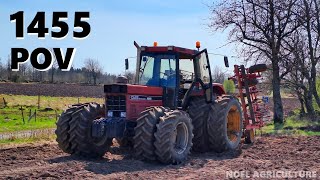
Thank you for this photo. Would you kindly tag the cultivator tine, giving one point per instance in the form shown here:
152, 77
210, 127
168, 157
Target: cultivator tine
254, 108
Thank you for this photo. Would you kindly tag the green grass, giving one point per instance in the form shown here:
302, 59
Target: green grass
11, 119
11, 116
291, 127
58, 103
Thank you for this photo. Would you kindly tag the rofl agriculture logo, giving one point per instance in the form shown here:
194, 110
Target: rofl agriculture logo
60, 30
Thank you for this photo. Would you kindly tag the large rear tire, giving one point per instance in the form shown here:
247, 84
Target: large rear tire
225, 124
173, 137
144, 133
81, 140
198, 111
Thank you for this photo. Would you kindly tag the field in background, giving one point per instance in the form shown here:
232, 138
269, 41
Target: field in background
56, 103
56, 90
16, 115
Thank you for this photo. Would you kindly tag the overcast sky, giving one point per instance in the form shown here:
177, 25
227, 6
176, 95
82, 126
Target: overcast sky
115, 24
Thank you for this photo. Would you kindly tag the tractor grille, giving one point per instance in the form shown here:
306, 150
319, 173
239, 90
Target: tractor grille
116, 104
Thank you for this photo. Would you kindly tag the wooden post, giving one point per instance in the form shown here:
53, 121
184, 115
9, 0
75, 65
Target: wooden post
39, 101
29, 112
78, 100
56, 115
4, 102
22, 115
35, 115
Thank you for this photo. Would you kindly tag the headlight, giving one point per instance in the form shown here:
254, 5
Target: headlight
110, 114
123, 114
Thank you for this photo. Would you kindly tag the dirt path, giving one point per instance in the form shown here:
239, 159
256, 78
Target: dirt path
268, 153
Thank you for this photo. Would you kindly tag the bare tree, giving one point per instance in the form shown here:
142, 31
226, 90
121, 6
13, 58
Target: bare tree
130, 75
54, 64
261, 26
302, 49
218, 75
94, 68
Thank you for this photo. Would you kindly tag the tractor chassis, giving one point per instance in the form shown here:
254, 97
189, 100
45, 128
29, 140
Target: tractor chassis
113, 128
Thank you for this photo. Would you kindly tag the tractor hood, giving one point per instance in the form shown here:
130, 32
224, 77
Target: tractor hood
133, 89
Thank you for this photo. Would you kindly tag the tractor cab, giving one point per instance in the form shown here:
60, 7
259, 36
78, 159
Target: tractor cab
179, 71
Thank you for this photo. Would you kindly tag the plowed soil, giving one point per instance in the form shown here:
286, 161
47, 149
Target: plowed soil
60, 90
266, 154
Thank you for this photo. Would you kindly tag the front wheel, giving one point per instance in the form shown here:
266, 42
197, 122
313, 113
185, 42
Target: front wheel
81, 140
173, 137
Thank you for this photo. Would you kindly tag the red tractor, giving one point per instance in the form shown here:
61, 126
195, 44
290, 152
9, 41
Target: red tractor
172, 108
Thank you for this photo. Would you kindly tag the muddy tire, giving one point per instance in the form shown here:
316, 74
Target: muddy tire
144, 133
81, 140
173, 137
225, 124
258, 68
198, 112
62, 131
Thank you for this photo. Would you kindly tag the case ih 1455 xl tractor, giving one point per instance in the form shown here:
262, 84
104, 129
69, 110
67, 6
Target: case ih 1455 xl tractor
172, 107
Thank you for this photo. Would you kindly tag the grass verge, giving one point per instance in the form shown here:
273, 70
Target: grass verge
57, 103
293, 125
11, 118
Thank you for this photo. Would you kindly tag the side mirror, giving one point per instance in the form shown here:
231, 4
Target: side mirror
226, 61
127, 63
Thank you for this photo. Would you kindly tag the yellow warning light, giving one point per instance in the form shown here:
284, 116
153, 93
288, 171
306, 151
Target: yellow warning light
155, 44
198, 44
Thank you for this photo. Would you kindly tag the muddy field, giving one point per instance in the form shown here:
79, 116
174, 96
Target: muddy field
268, 153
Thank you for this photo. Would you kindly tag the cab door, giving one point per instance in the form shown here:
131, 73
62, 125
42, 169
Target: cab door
203, 73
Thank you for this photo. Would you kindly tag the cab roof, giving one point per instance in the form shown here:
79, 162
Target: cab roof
184, 53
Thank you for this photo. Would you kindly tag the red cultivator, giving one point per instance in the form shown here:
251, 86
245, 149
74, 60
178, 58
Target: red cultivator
255, 110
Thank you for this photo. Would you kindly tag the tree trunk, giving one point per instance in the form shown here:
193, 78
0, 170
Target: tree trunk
300, 97
316, 96
308, 102
313, 83
277, 108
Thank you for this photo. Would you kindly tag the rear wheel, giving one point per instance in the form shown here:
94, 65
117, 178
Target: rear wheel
198, 111
173, 137
144, 132
81, 140
225, 124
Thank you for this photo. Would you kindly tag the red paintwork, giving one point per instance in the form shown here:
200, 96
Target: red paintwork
257, 121
184, 53
135, 107
218, 89
145, 90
